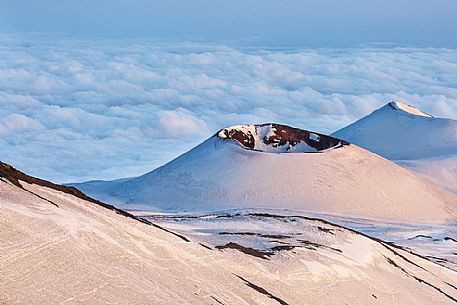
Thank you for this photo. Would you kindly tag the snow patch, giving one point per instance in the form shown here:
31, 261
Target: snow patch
409, 109
314, 137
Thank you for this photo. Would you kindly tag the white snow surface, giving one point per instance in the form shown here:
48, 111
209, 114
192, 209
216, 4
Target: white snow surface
437, 242
413, 139
220, 174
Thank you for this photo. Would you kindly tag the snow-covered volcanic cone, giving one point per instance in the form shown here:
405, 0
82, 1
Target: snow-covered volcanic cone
398, 131
276, 166
411, 138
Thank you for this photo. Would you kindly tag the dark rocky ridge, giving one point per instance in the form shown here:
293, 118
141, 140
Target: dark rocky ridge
283, 135
14, 176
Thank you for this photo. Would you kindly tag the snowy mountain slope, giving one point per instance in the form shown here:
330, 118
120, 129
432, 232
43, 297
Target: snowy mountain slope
400, 132
410, 137
58, 248
440, 170
233, 170
436, 242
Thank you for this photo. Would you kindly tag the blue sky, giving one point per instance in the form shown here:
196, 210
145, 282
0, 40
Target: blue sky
310, 23
109, 89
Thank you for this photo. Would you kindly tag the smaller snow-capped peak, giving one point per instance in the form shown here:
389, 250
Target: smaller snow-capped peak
401, 132
408, 109
276, 138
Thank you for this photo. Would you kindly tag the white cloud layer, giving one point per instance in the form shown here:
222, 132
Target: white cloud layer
79, 109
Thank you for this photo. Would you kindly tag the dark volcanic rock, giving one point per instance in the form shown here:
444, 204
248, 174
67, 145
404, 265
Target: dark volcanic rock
245, 139
280, 136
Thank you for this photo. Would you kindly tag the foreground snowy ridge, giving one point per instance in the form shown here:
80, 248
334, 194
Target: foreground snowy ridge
59, 248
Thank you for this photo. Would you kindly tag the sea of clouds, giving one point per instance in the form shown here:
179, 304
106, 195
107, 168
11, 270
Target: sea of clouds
73, 109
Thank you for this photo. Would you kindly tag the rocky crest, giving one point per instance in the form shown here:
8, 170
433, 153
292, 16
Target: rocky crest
279, 138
